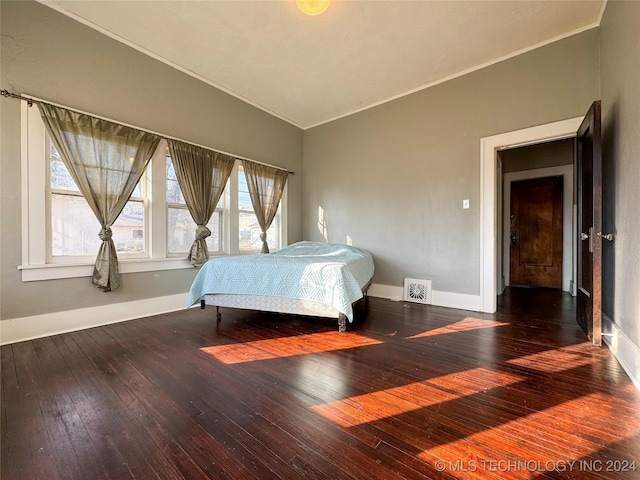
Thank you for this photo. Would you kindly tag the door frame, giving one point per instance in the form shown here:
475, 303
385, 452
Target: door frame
489, 225
568, 234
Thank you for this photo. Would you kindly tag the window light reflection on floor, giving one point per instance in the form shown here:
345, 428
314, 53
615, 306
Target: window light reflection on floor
553, 361
467, 324
287, 346
394, 401
505, 441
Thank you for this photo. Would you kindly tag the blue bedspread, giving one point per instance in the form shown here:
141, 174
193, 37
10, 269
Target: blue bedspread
332, 274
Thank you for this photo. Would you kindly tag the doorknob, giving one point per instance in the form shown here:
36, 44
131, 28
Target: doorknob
584, 236
608, 236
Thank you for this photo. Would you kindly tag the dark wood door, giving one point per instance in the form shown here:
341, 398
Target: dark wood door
589, 186
536, 232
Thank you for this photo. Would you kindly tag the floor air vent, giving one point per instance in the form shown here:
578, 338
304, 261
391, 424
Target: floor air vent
418, 291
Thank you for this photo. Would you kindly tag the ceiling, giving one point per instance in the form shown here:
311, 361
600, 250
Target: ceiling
358, 54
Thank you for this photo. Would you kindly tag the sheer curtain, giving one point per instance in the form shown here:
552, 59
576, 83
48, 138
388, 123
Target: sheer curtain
106, 160
265, 185
202, 175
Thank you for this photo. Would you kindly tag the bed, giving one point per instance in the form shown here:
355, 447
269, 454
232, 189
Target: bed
306, 278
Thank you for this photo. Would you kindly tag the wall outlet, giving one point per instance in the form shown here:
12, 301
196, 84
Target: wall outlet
465, 203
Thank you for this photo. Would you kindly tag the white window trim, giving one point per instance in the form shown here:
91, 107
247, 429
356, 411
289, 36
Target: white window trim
34, 217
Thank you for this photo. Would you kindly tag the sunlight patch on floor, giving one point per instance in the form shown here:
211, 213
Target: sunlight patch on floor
499, 450
394, 401
287, 346
552, 361
465, 325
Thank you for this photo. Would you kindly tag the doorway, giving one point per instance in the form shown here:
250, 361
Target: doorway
490, 227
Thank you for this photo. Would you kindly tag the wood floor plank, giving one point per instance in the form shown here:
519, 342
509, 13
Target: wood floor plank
223, 443
59, 383
15, 447
152, 453
114, 423
227, 412
236, 403
27, 425
411, 391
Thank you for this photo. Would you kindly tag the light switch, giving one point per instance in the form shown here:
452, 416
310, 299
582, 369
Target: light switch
465, 203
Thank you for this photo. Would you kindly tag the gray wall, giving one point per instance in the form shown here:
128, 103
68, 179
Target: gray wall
543, 155
50, 56
393, 177
620, 73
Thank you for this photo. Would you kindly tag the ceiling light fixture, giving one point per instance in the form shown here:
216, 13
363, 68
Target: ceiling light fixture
313, 7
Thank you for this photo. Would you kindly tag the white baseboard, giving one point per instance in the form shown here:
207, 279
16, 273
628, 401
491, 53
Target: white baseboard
461, 301
37, 326
626, 352
386, 291
441, 299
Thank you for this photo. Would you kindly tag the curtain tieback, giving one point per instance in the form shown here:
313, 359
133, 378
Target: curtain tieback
105, 234
263, 236
202, 232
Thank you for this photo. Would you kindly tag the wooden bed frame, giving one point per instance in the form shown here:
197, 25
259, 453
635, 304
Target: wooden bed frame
267, 303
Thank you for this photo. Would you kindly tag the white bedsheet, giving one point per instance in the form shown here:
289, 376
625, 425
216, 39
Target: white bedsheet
332, 274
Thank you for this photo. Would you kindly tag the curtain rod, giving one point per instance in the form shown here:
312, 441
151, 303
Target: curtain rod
8, 94
31, 100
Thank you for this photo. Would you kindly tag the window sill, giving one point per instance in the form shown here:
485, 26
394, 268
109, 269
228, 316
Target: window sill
34, 273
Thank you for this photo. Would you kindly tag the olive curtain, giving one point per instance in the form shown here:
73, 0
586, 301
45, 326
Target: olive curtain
202, 175
265, 185
106, 160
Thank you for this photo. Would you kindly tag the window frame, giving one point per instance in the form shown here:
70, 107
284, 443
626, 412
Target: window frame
36, 214
50, 192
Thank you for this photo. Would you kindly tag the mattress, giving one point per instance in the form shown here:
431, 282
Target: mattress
326, 273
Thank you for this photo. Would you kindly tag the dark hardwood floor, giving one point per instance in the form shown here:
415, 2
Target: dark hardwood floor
411, 391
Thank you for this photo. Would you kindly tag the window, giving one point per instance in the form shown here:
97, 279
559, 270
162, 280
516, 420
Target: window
249, 229
181, 229
74, 227
154, 231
